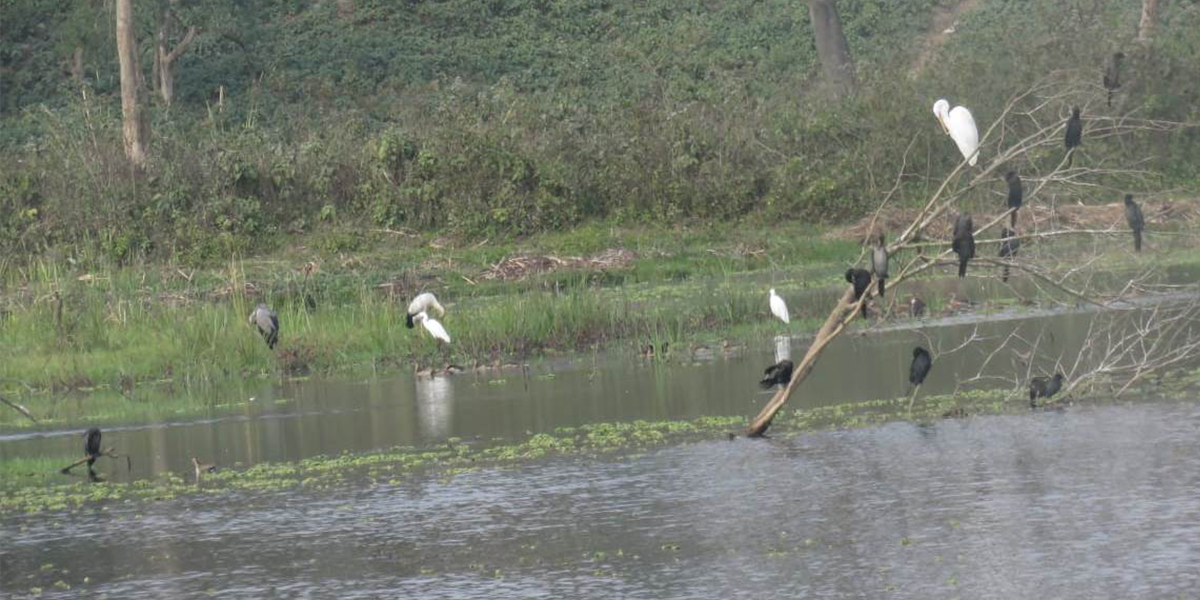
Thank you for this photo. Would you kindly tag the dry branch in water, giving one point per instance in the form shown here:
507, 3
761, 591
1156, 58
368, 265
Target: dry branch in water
1035, 118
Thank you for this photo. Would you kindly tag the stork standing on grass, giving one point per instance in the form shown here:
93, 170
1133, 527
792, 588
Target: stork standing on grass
268, 324
422, 304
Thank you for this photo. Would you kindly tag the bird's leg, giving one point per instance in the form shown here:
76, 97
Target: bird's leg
912, 398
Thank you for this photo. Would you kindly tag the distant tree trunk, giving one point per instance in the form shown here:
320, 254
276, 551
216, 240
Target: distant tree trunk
77, 64
1149, 17
133, 118
831, 45
164, 56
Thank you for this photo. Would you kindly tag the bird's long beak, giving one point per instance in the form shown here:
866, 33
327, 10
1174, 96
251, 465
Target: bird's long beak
942, 122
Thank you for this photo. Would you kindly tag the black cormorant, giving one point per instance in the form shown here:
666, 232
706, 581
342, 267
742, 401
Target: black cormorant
91, 446
1044, 387
1008, 248
861, 279
1112, 74
921, 363
1133, 216
779, 373
1016, 194
1074, 136
964, 242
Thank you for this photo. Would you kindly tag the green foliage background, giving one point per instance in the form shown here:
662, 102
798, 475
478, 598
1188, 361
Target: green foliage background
501, 118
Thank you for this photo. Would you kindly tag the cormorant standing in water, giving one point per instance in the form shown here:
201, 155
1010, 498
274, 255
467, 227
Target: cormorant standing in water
1016, 194
91, 447
779, 373
1112, 74
1043, 387
1074, 135
861, 279
1133, 216
1008, 249
879, 261
964, 242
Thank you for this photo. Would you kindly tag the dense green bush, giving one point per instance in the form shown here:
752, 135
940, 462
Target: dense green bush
527, 116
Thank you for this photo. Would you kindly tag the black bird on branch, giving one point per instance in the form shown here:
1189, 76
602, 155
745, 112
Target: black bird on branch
921, 363
1008, 249
1112, 74
964, 242
1016, 194
879, 261
1133, 216
1044, 387
1074, 136
861, 280
779, 373
91, 446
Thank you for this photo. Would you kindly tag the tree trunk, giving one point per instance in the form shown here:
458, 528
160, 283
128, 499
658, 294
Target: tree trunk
164, 57
831, 45
133, 117
1149, 17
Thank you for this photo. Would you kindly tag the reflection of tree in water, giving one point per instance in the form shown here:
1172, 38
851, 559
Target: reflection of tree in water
783, 348
435, 398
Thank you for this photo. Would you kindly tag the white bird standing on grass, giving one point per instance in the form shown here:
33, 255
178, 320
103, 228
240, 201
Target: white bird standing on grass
432, 326
422, 303
778, 307
960, 126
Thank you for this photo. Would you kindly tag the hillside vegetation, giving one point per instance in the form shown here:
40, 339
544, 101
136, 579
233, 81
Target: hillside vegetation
508, 117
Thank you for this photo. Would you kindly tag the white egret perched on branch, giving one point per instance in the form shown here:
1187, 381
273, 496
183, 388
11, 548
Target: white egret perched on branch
432, 326
422, 303
958, 123
778, 307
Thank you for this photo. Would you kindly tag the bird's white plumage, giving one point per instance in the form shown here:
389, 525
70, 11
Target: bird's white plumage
432, 326
958, 123
778, 307
423, 302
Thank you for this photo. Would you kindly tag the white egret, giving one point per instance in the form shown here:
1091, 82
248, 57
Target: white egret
432, 326
268, 324
422, 303
960, 126
778, 307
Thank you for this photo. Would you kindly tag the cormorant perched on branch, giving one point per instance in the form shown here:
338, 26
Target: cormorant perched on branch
1042, 387
861, 279
779, 373
1008, 249
91, 446
921, 363
879, 261
964, 242
1133, 216
1074, 136
1016, 194
1112, 74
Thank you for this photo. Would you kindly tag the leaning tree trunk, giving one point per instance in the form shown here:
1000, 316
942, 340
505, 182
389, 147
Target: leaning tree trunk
164, 57
1149, 17
133, 117
831, 45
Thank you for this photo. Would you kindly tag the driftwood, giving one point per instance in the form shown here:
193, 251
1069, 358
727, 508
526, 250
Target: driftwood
110, 452
18, 408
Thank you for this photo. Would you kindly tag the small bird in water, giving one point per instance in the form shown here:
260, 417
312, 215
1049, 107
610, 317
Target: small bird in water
1112, 74
778, 306
1133, 216
879, 261
1016, 194
779, 373
964, 242
432, 326
91, 446
268, 324
201, 468
422, 304
1008, 249
1074, 135
861, 280
916, 307
1044, 387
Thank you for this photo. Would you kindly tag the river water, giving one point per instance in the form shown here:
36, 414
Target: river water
1094, 501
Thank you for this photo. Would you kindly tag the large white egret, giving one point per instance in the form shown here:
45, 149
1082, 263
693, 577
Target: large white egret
958, 123
778, 307
432, 326
268, 324
422, 303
